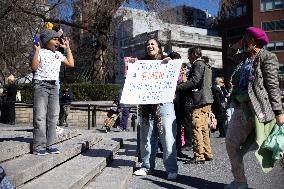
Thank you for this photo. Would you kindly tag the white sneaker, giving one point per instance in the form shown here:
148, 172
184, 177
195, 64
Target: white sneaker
172, 176
237, 185
59, 130
140, 172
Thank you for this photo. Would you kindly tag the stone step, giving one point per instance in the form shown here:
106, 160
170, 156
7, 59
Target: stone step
29, 166
16, 141
117, 174
75, 173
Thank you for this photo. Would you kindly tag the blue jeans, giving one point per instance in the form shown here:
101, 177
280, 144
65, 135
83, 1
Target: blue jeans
45, 114
149, 134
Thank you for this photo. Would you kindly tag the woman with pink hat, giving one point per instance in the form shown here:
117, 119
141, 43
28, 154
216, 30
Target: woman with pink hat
257, 102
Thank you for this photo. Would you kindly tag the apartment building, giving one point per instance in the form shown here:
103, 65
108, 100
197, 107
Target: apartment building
265, 14
137, 26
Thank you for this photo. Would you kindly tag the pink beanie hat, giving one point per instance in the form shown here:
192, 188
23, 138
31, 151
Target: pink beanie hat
258, 34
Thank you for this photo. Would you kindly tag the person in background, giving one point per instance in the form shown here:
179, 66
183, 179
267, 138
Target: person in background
219, 105
46, 64
198, 86
183, 113
8, 113
157, 120
124, 113
66, 97
230, 108
257, 102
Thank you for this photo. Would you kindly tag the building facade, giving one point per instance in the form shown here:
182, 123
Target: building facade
265, 14
186, 15
137, 26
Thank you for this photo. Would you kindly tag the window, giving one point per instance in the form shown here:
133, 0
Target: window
244, 9
278, 4
275, 46
273, 25
270, 47
271, 4
279, 25
268, 5
279, 46
239, 11
266, 26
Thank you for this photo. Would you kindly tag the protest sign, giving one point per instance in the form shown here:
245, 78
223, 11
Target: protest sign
150, 82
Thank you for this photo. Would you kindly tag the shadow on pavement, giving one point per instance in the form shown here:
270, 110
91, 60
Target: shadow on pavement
19, 139
186, 180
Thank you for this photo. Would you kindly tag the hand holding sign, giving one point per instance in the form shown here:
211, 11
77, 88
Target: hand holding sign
150, 82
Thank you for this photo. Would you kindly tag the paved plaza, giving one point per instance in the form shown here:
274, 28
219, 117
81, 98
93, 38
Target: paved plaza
211, 175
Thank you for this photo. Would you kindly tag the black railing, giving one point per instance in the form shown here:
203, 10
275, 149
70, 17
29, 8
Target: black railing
92, 109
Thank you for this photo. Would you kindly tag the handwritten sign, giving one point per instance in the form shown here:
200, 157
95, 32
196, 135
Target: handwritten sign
150, 82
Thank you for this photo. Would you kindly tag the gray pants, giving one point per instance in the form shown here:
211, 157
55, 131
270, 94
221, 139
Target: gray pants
45, 114
238, 131
64, 112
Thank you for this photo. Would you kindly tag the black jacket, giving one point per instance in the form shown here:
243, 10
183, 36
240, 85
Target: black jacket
219, 104
66, 97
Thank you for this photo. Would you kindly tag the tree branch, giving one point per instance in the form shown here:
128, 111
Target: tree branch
54, 20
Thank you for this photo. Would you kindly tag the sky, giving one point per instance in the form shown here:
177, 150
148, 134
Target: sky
211, 5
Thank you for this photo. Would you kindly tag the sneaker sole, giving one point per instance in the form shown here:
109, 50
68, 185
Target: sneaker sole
41, 154
54, 152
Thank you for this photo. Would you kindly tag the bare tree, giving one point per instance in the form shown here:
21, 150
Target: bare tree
20, 19
226, 5
17, 29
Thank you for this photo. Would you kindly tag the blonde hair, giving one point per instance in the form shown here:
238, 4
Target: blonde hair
11, 79
218, 80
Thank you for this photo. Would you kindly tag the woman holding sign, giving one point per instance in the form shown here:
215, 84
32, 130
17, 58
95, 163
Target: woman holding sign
157, 120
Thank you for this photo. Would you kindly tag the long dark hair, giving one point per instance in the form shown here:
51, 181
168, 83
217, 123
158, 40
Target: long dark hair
160, 53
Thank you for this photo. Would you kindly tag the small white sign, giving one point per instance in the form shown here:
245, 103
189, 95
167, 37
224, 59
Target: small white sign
151, 82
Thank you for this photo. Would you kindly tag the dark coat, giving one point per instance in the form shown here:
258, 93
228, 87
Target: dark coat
8, 108
219, 104
66, 97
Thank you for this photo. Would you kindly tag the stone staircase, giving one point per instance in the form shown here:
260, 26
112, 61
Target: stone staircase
88, 159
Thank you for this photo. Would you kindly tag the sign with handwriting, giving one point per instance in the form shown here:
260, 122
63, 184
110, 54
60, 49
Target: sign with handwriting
150, 82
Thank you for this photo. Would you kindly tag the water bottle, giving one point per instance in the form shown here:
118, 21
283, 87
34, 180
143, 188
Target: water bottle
35, 40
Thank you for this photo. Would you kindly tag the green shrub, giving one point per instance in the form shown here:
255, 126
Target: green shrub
81, 91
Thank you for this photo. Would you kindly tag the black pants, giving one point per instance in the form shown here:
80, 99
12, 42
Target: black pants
183, 119
186, 123
221, 128
8, 113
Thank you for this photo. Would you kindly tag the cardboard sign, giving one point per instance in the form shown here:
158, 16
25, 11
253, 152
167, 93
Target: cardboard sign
150, 82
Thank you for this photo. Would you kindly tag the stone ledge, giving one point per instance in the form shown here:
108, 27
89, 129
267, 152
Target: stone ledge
29, 166
117, 174
75, 173
14, 143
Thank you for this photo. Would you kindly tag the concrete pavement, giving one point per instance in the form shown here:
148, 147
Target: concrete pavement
211, 175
